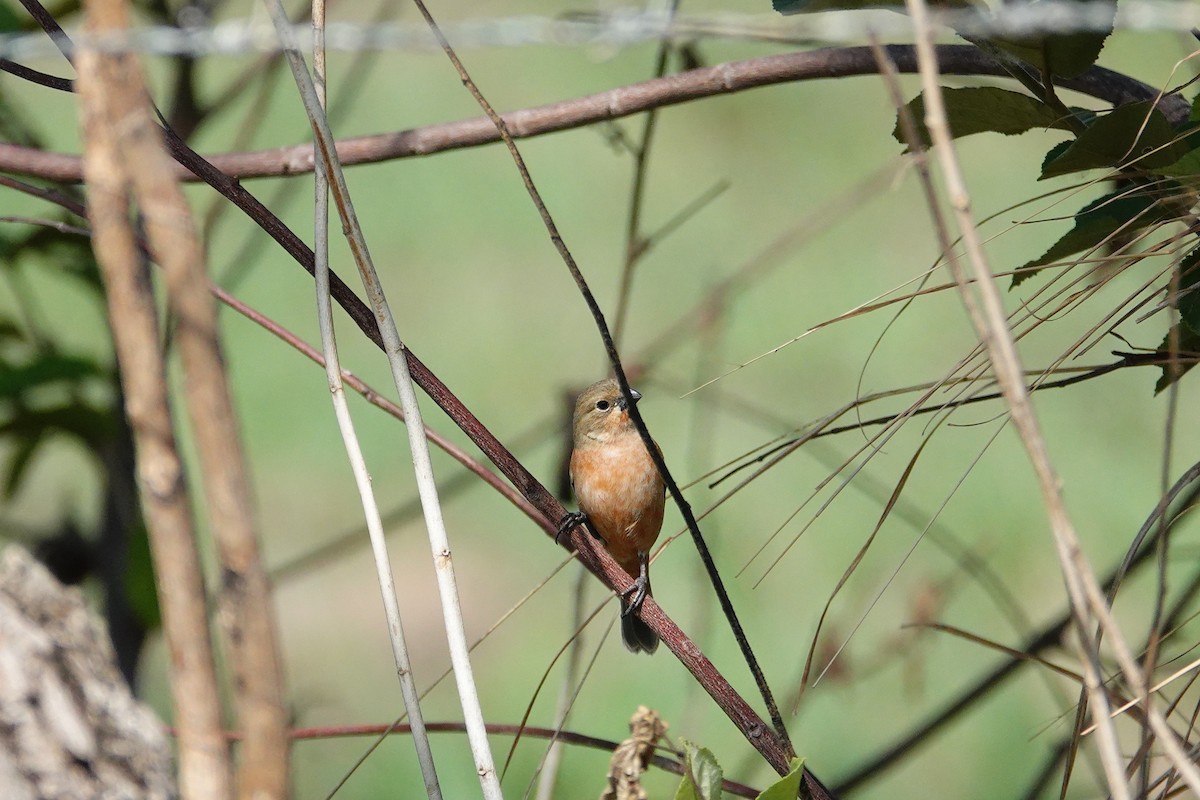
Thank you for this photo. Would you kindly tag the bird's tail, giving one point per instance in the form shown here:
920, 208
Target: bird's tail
637, 635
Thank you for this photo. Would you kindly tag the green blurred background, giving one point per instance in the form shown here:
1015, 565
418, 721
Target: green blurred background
481, 296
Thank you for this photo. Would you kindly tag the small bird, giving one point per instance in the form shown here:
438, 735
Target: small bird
620, 493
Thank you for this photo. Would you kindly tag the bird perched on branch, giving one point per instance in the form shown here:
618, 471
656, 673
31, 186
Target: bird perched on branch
620, 492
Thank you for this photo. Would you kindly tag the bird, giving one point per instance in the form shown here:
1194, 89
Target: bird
620, 492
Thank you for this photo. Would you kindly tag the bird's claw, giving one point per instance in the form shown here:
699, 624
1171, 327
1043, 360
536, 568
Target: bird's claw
639, 590
568, 522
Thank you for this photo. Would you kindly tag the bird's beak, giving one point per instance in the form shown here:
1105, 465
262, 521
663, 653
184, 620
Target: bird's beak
623, 404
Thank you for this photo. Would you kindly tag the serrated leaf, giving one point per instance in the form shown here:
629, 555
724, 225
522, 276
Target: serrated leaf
702, 774
787, 787
1064, 55
1137, 132
1189, 291
1094, 224
1189, 345
1056, 152
984, 108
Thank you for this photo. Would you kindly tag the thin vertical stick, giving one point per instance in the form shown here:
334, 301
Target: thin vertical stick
341, 410
204, 767
247, 612
418, 444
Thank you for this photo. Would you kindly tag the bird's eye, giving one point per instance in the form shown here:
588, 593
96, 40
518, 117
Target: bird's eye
603, 405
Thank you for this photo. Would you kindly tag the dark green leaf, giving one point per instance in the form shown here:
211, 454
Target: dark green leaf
787, 787
702, 776
1189, 345
1189, 290
1137, 132
1055, 152
1064, 55
1094, 224
985, 108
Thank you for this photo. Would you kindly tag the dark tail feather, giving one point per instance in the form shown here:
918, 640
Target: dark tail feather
637, 635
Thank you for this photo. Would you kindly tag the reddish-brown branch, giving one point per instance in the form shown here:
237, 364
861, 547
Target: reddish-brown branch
728, 78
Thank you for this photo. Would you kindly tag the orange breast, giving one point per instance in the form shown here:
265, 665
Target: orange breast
620, 490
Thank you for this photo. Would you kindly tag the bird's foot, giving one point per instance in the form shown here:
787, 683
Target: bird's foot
636, 594
639, 590
568, 522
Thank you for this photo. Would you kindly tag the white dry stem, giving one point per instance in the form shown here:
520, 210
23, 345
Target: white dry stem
341, 410
418, 443
989, 319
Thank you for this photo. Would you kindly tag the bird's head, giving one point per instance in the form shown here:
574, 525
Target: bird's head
602, 412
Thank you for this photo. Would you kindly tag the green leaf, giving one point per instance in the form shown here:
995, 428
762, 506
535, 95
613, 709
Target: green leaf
985, 108
702, 776
1189, 344
1094, 224
1189, 290
1065, 55
787, 787
1135, 132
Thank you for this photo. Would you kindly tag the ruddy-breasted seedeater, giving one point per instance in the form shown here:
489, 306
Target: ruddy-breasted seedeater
620, 492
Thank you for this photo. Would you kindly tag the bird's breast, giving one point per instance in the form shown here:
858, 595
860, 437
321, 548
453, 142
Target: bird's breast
620, 490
